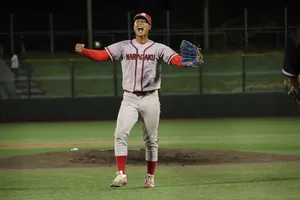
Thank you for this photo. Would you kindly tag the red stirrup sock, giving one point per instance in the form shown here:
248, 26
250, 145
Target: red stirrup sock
151, 166
121, 163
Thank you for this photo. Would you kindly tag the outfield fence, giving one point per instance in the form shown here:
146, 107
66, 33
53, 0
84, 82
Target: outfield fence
221, 73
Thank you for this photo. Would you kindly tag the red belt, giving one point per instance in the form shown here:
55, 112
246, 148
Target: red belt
140, 93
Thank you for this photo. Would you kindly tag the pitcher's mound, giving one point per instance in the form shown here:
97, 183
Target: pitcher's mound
97, 158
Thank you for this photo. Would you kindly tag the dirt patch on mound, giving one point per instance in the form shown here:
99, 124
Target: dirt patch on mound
97, 158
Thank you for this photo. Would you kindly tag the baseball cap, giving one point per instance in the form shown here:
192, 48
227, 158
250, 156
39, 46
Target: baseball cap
143, 16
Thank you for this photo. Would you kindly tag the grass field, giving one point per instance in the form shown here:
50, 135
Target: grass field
260, 181
220, 73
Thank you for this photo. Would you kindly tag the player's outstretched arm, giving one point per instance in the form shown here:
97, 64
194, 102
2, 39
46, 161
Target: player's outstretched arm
97, 55
176, 60
190, 56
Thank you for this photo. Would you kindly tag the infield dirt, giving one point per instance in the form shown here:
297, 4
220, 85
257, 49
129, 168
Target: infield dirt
100, 157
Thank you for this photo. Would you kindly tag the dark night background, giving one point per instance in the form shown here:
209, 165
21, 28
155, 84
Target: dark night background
33, 16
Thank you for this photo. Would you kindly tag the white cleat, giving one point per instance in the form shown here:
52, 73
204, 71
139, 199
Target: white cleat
149, 181
120, 180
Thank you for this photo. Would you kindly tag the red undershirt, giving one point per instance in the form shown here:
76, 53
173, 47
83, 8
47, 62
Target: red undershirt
102, 55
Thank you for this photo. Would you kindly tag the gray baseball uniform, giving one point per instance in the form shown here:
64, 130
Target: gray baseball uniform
141, 71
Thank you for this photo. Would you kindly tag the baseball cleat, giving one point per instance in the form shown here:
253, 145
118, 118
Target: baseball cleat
149, 181
120, 180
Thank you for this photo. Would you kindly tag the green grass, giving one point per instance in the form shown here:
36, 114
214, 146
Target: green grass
89, 78
265, 181
226, 182
266, 134
9, 152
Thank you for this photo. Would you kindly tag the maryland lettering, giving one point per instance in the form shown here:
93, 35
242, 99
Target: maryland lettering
133, 56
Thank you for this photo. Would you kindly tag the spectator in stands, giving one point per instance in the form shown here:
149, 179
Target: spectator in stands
14, 64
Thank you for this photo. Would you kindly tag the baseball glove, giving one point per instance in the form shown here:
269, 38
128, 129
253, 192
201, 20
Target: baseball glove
291, 91
191, 55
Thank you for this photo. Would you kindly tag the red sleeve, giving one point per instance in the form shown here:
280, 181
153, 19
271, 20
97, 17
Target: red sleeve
176, 60
98, 55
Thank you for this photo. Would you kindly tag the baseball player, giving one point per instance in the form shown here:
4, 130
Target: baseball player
140, 60
291, 65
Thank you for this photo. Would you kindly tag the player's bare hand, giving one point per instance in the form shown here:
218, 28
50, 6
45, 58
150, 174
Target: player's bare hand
78, 47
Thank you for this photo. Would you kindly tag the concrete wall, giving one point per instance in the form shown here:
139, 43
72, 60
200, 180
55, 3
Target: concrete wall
175, 106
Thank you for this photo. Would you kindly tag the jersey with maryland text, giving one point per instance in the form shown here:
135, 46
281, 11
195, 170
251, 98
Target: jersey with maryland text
140, 63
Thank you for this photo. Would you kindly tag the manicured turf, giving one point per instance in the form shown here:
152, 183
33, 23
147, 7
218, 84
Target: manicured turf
266, 134
226, 182
266, 181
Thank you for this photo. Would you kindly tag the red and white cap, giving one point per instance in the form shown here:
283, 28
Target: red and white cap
143, 16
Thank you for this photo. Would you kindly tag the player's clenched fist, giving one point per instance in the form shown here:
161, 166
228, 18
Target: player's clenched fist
78, 47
